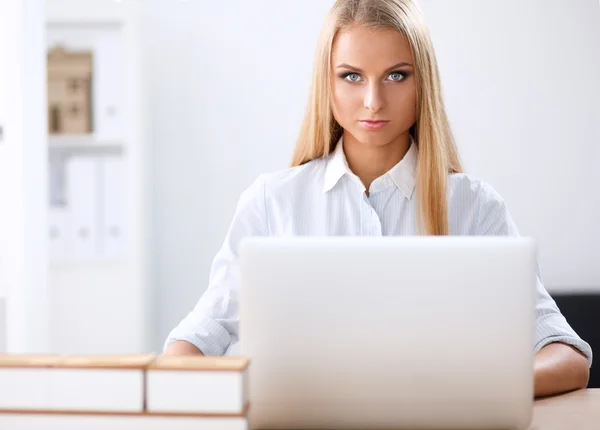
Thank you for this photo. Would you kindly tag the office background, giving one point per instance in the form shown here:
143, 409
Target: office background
205, 96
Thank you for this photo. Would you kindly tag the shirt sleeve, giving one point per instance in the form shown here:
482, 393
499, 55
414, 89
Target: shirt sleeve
551, 325
212, 325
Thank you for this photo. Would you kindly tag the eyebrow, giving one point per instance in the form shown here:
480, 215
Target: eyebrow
356, 69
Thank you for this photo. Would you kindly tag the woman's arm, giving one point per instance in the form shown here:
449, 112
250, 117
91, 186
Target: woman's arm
181, 347
562, 359
212, 325
560, 368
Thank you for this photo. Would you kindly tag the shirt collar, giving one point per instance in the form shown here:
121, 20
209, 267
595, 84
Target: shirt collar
403, 175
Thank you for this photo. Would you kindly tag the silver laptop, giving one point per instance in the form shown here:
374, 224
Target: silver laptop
392, 332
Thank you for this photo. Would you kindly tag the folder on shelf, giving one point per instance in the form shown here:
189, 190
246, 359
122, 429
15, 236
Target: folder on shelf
58, 213
58, 246
82, 206
112, 229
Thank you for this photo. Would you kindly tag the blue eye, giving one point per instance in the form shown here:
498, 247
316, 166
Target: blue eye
397, 76
352, 77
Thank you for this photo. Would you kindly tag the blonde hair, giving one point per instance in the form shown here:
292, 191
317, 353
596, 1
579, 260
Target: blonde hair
438, 156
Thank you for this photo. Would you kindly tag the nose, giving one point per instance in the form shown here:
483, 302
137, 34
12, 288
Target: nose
374, 97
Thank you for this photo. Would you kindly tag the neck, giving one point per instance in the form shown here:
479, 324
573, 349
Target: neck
369, 162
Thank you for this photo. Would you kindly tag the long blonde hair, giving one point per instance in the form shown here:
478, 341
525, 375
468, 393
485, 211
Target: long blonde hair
438, 156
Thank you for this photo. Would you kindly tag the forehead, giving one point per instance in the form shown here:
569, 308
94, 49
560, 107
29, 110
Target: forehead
370, 48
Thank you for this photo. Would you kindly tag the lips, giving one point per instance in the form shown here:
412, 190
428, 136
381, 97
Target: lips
373, 124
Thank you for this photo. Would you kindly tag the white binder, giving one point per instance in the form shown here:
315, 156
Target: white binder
112, 225
58, 247
82, 206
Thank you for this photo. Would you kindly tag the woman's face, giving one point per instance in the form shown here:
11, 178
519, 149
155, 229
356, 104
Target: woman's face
373, 84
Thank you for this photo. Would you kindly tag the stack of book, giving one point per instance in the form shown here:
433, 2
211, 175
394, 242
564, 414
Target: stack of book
142, 392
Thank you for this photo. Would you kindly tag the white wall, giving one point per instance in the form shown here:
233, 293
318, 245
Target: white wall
522, 80
95, 308
22, 175
228, 83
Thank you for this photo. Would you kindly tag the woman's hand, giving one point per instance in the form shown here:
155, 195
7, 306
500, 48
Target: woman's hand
560, 368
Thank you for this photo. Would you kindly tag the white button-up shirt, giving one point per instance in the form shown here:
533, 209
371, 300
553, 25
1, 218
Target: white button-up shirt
324, 198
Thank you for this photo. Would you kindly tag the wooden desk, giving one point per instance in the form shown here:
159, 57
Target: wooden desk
579, 410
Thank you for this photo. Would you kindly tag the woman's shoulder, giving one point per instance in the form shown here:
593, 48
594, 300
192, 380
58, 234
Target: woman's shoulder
474, 198
287, 181
292, 179
464, 186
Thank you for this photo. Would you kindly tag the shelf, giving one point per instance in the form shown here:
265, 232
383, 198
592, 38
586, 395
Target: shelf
85, 12
84, 265
84, 144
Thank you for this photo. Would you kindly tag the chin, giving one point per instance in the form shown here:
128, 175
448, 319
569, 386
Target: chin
373, 138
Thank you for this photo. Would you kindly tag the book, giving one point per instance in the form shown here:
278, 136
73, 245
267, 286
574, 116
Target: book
66, 421
122, 392
99, 383
73, 383
198, 385
25, 381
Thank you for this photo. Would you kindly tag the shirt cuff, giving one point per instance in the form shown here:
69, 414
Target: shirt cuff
576, 342
210, 337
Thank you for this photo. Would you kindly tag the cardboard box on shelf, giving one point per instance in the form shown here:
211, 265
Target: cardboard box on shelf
69, 92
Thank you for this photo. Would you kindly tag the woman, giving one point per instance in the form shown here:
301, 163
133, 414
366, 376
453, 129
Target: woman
375, 156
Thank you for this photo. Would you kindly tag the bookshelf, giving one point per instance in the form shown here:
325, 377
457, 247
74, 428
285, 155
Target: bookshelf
97, 196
